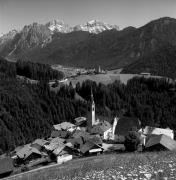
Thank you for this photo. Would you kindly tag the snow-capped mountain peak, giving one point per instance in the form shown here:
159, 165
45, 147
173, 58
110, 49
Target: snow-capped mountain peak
59, 26
95, 26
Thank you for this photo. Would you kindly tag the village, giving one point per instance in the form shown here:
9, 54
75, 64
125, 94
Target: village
86, 137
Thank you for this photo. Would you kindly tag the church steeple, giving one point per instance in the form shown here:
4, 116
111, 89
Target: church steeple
92, 109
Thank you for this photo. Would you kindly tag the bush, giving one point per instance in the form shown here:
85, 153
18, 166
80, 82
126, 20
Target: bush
132, 140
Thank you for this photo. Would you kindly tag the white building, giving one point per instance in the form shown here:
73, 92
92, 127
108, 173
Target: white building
157, 131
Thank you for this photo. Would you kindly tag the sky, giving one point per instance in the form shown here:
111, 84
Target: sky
14, 14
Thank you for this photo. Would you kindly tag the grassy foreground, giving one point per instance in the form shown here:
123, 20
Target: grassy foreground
153, 165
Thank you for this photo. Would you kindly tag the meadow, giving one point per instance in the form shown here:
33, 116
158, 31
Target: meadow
122, 166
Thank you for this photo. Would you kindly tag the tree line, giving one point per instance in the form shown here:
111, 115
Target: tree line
36, 71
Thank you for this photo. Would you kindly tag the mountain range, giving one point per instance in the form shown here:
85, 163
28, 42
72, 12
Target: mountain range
93, 43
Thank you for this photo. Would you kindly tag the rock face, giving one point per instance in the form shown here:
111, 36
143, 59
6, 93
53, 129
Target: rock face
95, 27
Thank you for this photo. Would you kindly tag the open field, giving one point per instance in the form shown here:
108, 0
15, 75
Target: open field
102, 78
149, 165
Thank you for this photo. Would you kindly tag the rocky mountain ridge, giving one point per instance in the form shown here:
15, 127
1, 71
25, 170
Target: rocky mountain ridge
111, 48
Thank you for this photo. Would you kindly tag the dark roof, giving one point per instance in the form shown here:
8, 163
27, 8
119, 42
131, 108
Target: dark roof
6, 165
95, 139
40, 142
79, 133
86, 147
26, 151
101, 128
163, 140
60, 133
74, 141
125, 124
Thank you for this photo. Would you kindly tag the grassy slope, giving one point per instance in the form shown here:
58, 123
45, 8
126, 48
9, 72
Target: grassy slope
113, 166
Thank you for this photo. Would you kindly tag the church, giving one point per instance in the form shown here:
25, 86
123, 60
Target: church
96, 126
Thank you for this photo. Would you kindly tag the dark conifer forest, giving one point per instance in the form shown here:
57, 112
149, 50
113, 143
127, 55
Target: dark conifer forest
28, 111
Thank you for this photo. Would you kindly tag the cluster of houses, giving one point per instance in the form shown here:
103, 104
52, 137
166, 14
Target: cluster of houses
85, 137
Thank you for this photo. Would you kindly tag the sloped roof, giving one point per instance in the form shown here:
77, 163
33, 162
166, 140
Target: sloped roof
101, 128
40, 142
26, 151
125, 124
154, 130
79, 133
80, 121
54, 143
86, 147
6, 165
59, 133
75, 141
95, 139
58, 150
64, 126
162, 139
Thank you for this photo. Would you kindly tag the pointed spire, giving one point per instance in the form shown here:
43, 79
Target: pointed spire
92, 98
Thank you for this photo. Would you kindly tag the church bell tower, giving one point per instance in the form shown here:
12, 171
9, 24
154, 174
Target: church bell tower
92, 109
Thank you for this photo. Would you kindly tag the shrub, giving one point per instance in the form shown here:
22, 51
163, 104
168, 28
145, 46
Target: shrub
132, 140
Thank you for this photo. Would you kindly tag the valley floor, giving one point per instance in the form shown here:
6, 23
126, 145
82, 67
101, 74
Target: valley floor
122, 166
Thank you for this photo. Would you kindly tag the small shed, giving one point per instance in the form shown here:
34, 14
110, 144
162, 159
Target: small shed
6, 167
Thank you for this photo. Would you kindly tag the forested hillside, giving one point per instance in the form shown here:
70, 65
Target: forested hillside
161, 62
28, 111
28, 69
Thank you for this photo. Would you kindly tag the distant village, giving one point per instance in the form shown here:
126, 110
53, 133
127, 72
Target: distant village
86, 137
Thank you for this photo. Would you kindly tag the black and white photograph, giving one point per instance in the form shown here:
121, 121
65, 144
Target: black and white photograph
87, 89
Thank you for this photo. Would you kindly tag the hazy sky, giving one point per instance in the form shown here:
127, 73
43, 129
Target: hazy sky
14, 14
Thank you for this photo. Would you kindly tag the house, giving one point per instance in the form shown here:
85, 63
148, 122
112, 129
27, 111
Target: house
81, 121
160, 142
157, 131
93, 143
87, 146
126, 124
67, 126
28, 153
6, 167
39, 144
